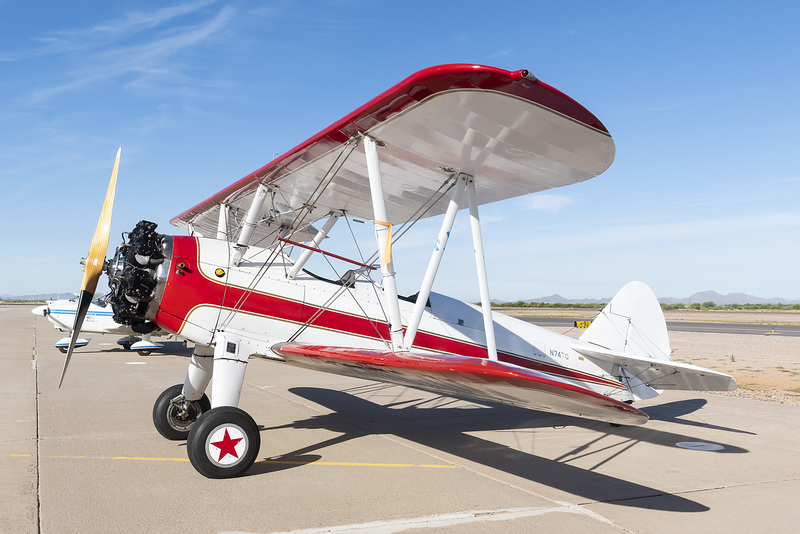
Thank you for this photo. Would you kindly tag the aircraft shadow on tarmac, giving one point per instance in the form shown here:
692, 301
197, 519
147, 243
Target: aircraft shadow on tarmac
671, 412
446, 429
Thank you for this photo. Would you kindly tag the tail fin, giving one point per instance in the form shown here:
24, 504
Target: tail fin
632, 323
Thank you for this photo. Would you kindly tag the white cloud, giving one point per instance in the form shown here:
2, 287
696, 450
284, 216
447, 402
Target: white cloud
501, 53
547, 203
147, 59
16, 195
102, 34
688, 231
490, 219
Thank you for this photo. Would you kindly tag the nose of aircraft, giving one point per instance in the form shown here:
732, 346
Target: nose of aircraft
41, 310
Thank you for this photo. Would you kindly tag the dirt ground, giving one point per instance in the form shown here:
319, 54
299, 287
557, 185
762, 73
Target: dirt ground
699, 316
766, 367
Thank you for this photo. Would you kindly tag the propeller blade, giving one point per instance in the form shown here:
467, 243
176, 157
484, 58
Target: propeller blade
94, 263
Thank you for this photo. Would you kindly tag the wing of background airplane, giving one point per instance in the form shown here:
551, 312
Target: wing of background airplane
517, 134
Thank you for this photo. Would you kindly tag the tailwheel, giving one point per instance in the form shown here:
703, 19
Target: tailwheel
224, 443
174, 416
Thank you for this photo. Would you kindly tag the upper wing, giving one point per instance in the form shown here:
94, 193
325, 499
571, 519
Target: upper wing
513, 133
463, 376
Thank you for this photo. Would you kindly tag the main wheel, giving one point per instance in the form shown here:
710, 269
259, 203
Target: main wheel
145, 352
224, 443
173, 420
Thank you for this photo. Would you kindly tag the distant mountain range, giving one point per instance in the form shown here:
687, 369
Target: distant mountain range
730, 298
699, 298
43, 296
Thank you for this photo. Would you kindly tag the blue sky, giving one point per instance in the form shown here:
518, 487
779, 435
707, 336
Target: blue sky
700, 97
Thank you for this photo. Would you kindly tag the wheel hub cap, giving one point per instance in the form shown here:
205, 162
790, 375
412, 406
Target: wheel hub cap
226, 445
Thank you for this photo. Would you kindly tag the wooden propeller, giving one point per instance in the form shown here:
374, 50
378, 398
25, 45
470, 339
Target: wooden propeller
94, 264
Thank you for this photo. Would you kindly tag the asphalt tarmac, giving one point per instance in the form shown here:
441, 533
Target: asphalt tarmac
343, 455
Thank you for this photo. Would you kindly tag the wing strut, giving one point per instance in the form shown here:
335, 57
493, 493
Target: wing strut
480, 263
301, 261
250, 223
222, 222
384, 237
467, 182
435, 261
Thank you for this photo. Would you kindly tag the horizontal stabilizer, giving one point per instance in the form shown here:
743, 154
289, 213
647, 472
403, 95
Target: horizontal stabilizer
462, 376
662, 374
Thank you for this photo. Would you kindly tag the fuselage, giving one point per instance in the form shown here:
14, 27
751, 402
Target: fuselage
198, 292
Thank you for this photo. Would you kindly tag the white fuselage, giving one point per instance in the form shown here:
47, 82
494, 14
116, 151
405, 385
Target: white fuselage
99, 318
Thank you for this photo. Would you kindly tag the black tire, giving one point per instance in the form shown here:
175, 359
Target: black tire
169, 422
126, 346
224, 443
62, 349
144, 352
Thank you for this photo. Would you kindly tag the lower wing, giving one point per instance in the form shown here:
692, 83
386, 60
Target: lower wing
461, 376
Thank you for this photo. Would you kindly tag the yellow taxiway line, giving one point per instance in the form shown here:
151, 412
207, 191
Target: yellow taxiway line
277, 462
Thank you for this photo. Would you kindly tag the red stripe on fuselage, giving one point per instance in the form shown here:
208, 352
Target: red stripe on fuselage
188, 288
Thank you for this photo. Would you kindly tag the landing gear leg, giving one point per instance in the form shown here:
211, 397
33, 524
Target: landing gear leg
225, 441
201, 368
174, 415
179, 406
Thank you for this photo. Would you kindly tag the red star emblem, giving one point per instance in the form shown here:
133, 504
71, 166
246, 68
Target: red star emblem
227, 446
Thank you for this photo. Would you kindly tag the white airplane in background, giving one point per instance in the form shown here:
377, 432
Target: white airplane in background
99, 319
446, 138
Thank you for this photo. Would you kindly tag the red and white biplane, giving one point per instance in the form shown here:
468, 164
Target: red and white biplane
446, 138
